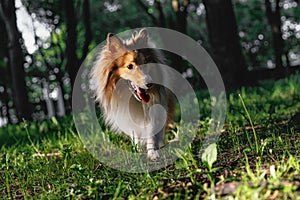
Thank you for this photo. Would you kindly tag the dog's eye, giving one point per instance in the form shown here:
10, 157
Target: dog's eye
130, 66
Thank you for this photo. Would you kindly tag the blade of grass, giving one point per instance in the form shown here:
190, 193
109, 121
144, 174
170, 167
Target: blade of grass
29, 138
7, 183
117, 192
251, 123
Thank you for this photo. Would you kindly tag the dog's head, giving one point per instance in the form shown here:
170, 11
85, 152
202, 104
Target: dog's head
127, 64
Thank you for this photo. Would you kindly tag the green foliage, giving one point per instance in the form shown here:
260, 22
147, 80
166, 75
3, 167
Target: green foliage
258, 148
254, 31
47, 159
49, 61
209, 156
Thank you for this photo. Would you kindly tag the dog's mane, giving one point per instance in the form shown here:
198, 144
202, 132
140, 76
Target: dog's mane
100, 73
103, 73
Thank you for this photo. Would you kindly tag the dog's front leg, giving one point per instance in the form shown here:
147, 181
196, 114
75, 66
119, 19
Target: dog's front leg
153, 152
155, 117
155, 138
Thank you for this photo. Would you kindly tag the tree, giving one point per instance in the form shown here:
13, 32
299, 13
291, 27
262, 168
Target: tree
224, 40
274, 19
20, 96
73, 60
72, 65
87, 27
181, 11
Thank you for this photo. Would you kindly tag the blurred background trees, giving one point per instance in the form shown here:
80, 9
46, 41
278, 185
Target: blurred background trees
224, 40
43, 43
15, 58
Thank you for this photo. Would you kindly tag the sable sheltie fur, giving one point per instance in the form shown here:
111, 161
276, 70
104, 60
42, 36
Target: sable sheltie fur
124, 87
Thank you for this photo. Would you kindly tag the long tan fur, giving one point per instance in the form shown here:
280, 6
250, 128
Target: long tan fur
117, 67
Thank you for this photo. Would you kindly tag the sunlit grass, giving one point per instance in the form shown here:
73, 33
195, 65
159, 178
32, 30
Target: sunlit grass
258, 156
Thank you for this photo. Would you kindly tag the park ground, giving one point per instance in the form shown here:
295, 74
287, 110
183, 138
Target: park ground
258, 156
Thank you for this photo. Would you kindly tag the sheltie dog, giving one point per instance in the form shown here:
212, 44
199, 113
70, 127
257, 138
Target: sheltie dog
129, 86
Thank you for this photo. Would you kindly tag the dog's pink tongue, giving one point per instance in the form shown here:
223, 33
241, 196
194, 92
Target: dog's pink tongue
143, 95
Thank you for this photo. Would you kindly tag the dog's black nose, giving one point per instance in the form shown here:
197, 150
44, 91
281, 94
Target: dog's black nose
149, 85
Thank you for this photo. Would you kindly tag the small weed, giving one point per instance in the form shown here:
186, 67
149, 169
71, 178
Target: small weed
252, 126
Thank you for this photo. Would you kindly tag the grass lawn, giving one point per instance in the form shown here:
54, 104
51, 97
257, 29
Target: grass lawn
258, 156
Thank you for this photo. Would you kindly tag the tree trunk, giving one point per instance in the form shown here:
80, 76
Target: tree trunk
275, 23
23, 107
61, 111
180, 10
48, 100
72, 65
87, 27
224, 41
181, 14
161, 17
5, 106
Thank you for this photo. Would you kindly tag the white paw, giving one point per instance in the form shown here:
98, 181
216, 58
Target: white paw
153, 154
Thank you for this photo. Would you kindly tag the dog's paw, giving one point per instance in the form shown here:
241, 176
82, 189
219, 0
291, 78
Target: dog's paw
153, 155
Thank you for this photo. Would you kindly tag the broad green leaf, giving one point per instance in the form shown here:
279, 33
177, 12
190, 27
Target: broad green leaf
210, 154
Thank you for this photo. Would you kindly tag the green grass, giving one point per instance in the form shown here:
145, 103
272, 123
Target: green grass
258, 156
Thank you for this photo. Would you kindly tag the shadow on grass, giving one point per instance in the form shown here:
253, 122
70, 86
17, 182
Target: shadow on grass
36, 131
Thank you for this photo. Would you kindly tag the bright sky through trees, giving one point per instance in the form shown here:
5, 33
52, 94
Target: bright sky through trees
27, 25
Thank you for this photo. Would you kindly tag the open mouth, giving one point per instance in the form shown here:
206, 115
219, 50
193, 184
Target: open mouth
139, 93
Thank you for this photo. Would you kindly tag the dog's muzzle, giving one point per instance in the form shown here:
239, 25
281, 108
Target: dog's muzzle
139, 93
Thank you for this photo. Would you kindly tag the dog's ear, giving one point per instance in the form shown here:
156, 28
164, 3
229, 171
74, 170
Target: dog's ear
143, 34
140, 37
114, 44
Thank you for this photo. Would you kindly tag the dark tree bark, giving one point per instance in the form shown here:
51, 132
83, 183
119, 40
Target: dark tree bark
275, 23
161, 16
72, 65
181, 14
180, 24
224, 41
3, 41
20, 96
87, 27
